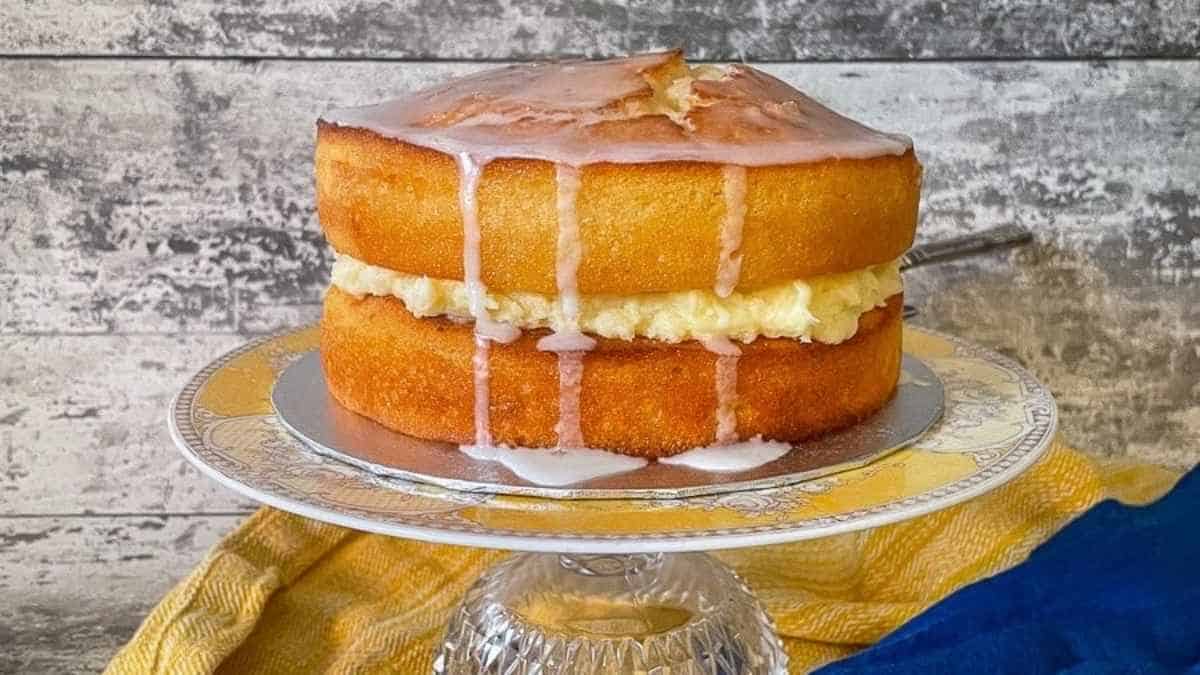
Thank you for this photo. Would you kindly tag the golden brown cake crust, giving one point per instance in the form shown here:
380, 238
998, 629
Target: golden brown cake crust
644, 227
641, 397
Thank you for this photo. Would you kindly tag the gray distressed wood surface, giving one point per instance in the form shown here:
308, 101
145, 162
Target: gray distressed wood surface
83, 425
72, 590
158, 211
513, 29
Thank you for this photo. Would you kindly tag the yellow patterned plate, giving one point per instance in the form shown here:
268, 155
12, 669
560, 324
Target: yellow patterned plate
998, 420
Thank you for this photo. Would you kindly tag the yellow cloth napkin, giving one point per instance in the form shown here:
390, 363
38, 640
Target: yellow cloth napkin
283, 594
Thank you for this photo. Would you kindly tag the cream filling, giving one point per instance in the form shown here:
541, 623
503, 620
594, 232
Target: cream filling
822, 309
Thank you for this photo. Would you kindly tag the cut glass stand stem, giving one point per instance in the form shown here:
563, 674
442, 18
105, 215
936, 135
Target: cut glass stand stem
666, 614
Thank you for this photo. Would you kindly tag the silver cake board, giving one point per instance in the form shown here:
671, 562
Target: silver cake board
305, 408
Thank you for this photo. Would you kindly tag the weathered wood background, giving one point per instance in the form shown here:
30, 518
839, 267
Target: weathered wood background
157, 208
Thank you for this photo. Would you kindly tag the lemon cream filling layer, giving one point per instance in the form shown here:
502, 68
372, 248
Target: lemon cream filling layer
822, 309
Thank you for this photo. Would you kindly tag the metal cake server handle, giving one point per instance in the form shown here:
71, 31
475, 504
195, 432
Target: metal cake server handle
994, 239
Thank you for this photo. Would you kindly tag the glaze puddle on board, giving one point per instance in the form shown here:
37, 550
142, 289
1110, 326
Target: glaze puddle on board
556, 467
732, 457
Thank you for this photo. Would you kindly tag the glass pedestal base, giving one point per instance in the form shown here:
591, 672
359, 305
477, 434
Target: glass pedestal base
665, 614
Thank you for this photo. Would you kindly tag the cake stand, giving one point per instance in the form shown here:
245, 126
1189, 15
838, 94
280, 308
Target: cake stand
616, 584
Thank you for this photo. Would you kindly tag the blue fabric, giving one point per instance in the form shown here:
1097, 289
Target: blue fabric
1116, 591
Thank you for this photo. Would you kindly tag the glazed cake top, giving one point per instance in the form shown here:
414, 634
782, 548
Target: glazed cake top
636, 109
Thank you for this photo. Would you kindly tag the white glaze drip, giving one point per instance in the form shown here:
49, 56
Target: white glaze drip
470, 169
569, 344
469, 172
729, 270
725, 382
570, 380
740, 456
566, 341
556, 467
729, 260
569, 249
481, 377
721, 346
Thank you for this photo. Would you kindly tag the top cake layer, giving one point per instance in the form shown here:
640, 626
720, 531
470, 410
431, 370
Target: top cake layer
679, 178
644, 108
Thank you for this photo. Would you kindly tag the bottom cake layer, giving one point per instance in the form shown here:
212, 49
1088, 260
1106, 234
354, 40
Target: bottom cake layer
640, 397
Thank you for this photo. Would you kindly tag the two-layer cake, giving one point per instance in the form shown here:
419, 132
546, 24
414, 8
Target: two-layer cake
634, 255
